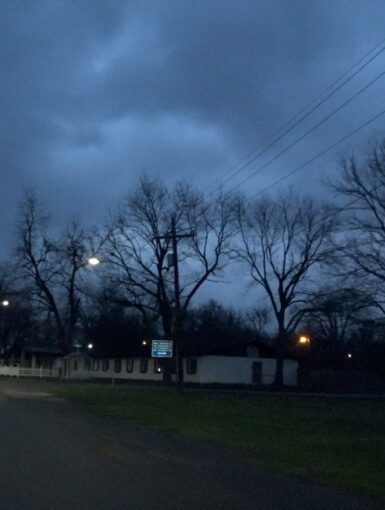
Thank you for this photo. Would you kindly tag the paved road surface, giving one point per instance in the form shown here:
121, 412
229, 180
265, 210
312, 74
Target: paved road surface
56, 456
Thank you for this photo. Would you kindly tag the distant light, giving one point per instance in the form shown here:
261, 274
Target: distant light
350, 355
5, 302
93, 261
144, 342
90, 346
303, 339
158, 369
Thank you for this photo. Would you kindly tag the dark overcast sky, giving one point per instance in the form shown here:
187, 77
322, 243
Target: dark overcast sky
95, 92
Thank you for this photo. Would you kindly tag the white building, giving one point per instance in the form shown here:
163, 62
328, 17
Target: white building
207, 369
248, 369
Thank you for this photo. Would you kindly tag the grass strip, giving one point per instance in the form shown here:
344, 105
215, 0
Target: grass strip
340, 441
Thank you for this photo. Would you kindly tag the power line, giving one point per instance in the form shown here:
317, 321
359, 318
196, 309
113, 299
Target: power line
338, 210
316, 126
314, 158
262, 151
320, 154
308, 113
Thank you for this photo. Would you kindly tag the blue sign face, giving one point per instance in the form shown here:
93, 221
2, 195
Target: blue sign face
161, 348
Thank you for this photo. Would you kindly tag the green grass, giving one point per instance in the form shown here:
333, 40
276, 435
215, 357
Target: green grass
340, 441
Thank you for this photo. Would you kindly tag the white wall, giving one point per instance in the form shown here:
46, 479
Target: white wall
210, 370
290, 372
221, 370
110, 373
238, 370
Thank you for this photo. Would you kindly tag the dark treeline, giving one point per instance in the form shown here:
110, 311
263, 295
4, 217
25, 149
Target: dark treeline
316, 268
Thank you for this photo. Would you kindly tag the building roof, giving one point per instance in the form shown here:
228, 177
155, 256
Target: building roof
236, 349
39, 349
77, 355
46, 350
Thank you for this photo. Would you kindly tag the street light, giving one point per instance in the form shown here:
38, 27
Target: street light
93, 261
304, 340
90, 346
5, 302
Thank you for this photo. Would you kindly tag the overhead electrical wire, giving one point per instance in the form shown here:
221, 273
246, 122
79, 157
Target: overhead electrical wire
332, 146
275, 140
314, 158
316, 126
323, 152
317, 156
308, 113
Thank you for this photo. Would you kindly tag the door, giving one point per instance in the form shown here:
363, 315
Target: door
256, 377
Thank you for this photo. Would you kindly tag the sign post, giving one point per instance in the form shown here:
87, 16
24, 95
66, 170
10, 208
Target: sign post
161, 348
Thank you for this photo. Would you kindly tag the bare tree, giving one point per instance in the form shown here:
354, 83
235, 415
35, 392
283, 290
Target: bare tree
74, 252
336, 313
282, 243
257, 318
16, 321
136, 253
362, 253
50, 267
37, 260
139, 241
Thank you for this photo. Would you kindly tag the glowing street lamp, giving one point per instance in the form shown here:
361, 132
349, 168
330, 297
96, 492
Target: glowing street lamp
144, 342
304, 340
90, 346
350, 355
93, 261
5, 302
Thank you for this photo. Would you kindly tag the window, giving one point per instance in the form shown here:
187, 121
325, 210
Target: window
75, 365
87, 364
129, 365
192, 365
95, 364
143, 365
106, 365
118, 365
157, 366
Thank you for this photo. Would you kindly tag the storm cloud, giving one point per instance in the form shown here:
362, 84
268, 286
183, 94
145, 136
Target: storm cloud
94, 93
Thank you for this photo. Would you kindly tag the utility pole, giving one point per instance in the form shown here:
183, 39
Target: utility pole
177, 316
178, 354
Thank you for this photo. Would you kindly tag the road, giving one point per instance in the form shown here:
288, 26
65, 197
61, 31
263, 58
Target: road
55, 455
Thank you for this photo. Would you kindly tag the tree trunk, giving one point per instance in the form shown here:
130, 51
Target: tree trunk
62, 340
281, 344
168, 364
278, 379
178, 356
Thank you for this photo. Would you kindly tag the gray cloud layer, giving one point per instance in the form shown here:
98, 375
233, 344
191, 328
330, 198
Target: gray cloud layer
93, 93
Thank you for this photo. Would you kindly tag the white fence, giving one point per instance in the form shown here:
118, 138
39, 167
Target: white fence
28, 372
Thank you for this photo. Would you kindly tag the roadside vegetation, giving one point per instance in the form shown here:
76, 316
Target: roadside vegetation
338, 441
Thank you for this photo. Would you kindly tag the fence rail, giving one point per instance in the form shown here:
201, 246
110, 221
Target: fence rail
28, 372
